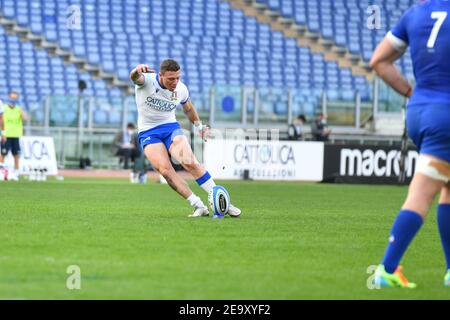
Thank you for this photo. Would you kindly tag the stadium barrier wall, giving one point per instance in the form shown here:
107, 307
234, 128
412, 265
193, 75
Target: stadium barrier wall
307, 161
264, 160
366, 164
37, 153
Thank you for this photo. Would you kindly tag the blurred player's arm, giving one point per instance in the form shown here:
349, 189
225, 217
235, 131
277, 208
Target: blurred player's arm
2, 128
383, 63
190, 111
25, 116
136, 75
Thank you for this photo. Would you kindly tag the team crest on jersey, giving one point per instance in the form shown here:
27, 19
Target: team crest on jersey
174, 96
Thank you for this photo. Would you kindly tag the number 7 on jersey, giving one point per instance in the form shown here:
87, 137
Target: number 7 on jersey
440, 16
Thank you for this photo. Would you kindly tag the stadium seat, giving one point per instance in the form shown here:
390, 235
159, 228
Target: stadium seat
348, 19
225, 47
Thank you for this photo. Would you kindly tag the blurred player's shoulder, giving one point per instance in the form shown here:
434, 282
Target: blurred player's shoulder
425, 4
423, 15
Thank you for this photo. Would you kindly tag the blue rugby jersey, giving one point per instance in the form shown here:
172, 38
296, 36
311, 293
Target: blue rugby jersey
425, 27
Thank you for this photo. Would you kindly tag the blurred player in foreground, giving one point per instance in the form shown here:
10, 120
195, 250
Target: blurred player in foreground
425, 28
157, 97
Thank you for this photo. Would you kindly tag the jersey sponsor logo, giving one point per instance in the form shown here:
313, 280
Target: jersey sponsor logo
160, 105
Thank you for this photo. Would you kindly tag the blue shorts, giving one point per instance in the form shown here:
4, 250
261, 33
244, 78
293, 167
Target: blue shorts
429, 128
160, 134
11, 144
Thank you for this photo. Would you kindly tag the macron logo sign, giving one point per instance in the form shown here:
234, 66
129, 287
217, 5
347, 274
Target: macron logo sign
379, 163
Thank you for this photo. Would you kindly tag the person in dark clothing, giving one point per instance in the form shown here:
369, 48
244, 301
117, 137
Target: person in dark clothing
295, 130
126, 146
319, 128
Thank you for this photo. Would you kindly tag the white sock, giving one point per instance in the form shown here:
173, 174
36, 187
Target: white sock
206, 182
208, 185
195, 201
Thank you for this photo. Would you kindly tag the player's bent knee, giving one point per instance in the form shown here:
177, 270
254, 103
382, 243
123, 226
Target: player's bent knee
433, 168
165, 171
179, 140
191, 165
179, 137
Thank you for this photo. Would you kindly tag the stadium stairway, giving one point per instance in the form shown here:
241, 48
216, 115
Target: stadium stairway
40, 42
389, 124
304, 37
386, 124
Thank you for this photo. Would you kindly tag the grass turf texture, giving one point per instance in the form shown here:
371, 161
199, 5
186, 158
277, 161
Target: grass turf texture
293, 241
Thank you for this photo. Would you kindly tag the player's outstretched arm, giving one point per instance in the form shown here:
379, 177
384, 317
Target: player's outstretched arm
136, 75
383, 63
191, 113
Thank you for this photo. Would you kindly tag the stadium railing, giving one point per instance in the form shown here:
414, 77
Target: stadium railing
85, 126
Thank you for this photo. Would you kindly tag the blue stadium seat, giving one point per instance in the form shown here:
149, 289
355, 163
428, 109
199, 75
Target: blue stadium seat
215, 43
344, 21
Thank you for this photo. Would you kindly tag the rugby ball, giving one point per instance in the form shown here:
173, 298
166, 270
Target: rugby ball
219, 200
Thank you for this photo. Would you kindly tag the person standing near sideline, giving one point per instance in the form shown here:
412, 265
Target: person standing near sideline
425, 28
11, 126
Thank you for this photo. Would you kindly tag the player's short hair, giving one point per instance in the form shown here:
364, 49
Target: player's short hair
169, 65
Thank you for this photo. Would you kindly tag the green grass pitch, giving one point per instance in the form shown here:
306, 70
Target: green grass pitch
293, 241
